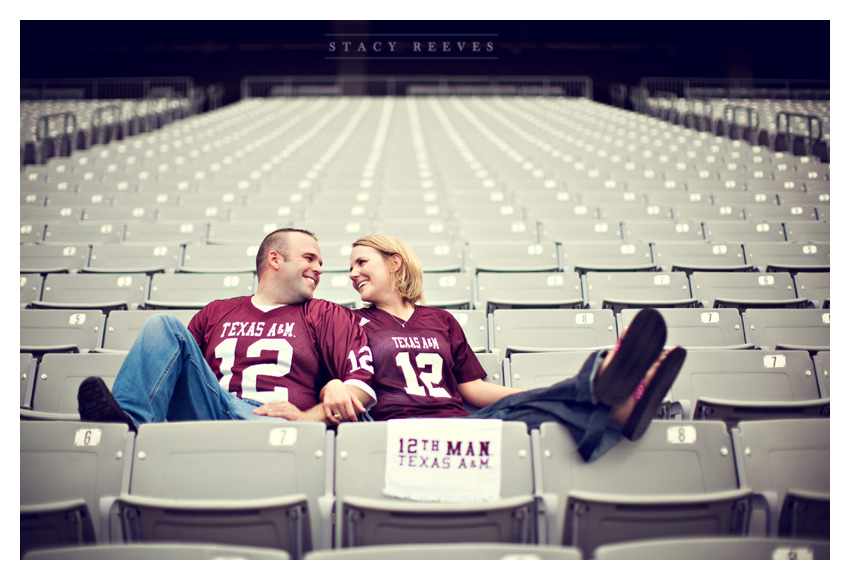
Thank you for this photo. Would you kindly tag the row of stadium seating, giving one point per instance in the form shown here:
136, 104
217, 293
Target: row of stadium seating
297, 487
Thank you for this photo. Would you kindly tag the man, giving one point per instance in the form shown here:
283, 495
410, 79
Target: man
276, 354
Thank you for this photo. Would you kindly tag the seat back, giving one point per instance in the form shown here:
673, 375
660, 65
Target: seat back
58, 330
744, 290
60, 376
152, 257
620, 290
502, 290
255, 483
94, 290
551, 329
475, 327
692, 256
813, 286
366, 517
716, 549
788, 462
30, 288
123, 326
534, 370
53, 257
460, 551
502, 257
157, 551
448, 289
788, 256
679, 479
190, 291
695, 327
806, 329
70, 474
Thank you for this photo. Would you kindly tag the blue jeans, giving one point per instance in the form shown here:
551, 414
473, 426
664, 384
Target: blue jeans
165, 377
570, 402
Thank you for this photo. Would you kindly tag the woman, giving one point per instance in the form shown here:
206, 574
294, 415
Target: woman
425, 368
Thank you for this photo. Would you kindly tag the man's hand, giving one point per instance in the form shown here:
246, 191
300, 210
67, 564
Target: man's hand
340, 403
290, 412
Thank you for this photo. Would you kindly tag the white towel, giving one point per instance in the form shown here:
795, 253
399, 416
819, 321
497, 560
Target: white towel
448, 460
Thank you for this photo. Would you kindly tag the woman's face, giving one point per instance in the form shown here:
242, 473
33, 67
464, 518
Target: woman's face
370, 274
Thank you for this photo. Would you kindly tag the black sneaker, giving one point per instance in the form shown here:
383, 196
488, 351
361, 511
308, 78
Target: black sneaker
95, 403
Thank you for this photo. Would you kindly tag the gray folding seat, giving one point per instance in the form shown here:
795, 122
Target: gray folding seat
716, 549
721, 198
32, 232
366, 517
159, 551
496, 212
447, 289
636, 212
501, 257
192, 213
184, 476
456, 551
571, 231
672, 231
413, 211
677, 198
123, 326
117, 213
415, 232
45, 331
535, 370
28, 368
167, 233
330, 231
484, 230
546, 330
618, 290
219, 258
744, 290
45, 213
678, 480
86, 291
703, 256
84, 232
335, 256
337, 287
821, 362
737, 385
528, 290
783, 213
743, 232
569, 212
355, 212
244, 232
703, 212
45, 258
30, 288
626, 256
787, 462
475, 327
188, 291
800, 231
788, 257
436, 256
70, 474
59, 378
492, 365
134, 258
799, 329
696, 327
799, 198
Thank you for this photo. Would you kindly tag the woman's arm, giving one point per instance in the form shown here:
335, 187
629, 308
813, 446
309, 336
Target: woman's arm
481, 393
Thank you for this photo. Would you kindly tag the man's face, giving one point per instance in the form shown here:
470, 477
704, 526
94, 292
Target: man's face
303, 266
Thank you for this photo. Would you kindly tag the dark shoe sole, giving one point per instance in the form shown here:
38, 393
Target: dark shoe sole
646, 408
95, 403
640, 348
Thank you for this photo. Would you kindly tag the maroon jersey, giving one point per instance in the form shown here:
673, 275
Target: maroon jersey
418, 366
286, 354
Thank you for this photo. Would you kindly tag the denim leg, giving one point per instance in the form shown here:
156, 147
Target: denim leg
165, 377
570, 402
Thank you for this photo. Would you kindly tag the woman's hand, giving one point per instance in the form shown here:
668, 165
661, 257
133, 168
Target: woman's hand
339, 403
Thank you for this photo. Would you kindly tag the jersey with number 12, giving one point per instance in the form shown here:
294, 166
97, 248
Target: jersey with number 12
286, 354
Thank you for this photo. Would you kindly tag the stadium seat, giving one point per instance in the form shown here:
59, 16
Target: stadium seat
524, 290
69, 233
133, 258
783, 213
244, 232
535, 370
447, 290
194, 291
179, 232
502, 257
608, 257
123, 326
184, 476
800, 329
696, 327
456, 551
491, 362
159, 551
821, 362
482, 230
787, 463
801, 231
679, 479
547, 329
705, 212
59, 378
28, 368
366, 517
572, 231
475, 326
71, 473
744, 290
219, 258
737, 385
703, 256
30, 288
44, 331
672, 231
790, 257
716, 549
87, 291
619, 290
743, 232
46, 258
813, 286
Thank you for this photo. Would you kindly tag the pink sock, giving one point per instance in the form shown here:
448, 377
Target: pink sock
639, 391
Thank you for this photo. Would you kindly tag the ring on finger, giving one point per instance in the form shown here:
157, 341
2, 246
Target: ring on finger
337, 416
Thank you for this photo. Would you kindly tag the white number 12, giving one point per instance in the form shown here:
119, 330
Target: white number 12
433, 376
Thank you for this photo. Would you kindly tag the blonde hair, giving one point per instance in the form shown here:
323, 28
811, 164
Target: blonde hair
407, 280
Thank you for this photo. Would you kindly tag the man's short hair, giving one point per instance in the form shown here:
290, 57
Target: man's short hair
277, 240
